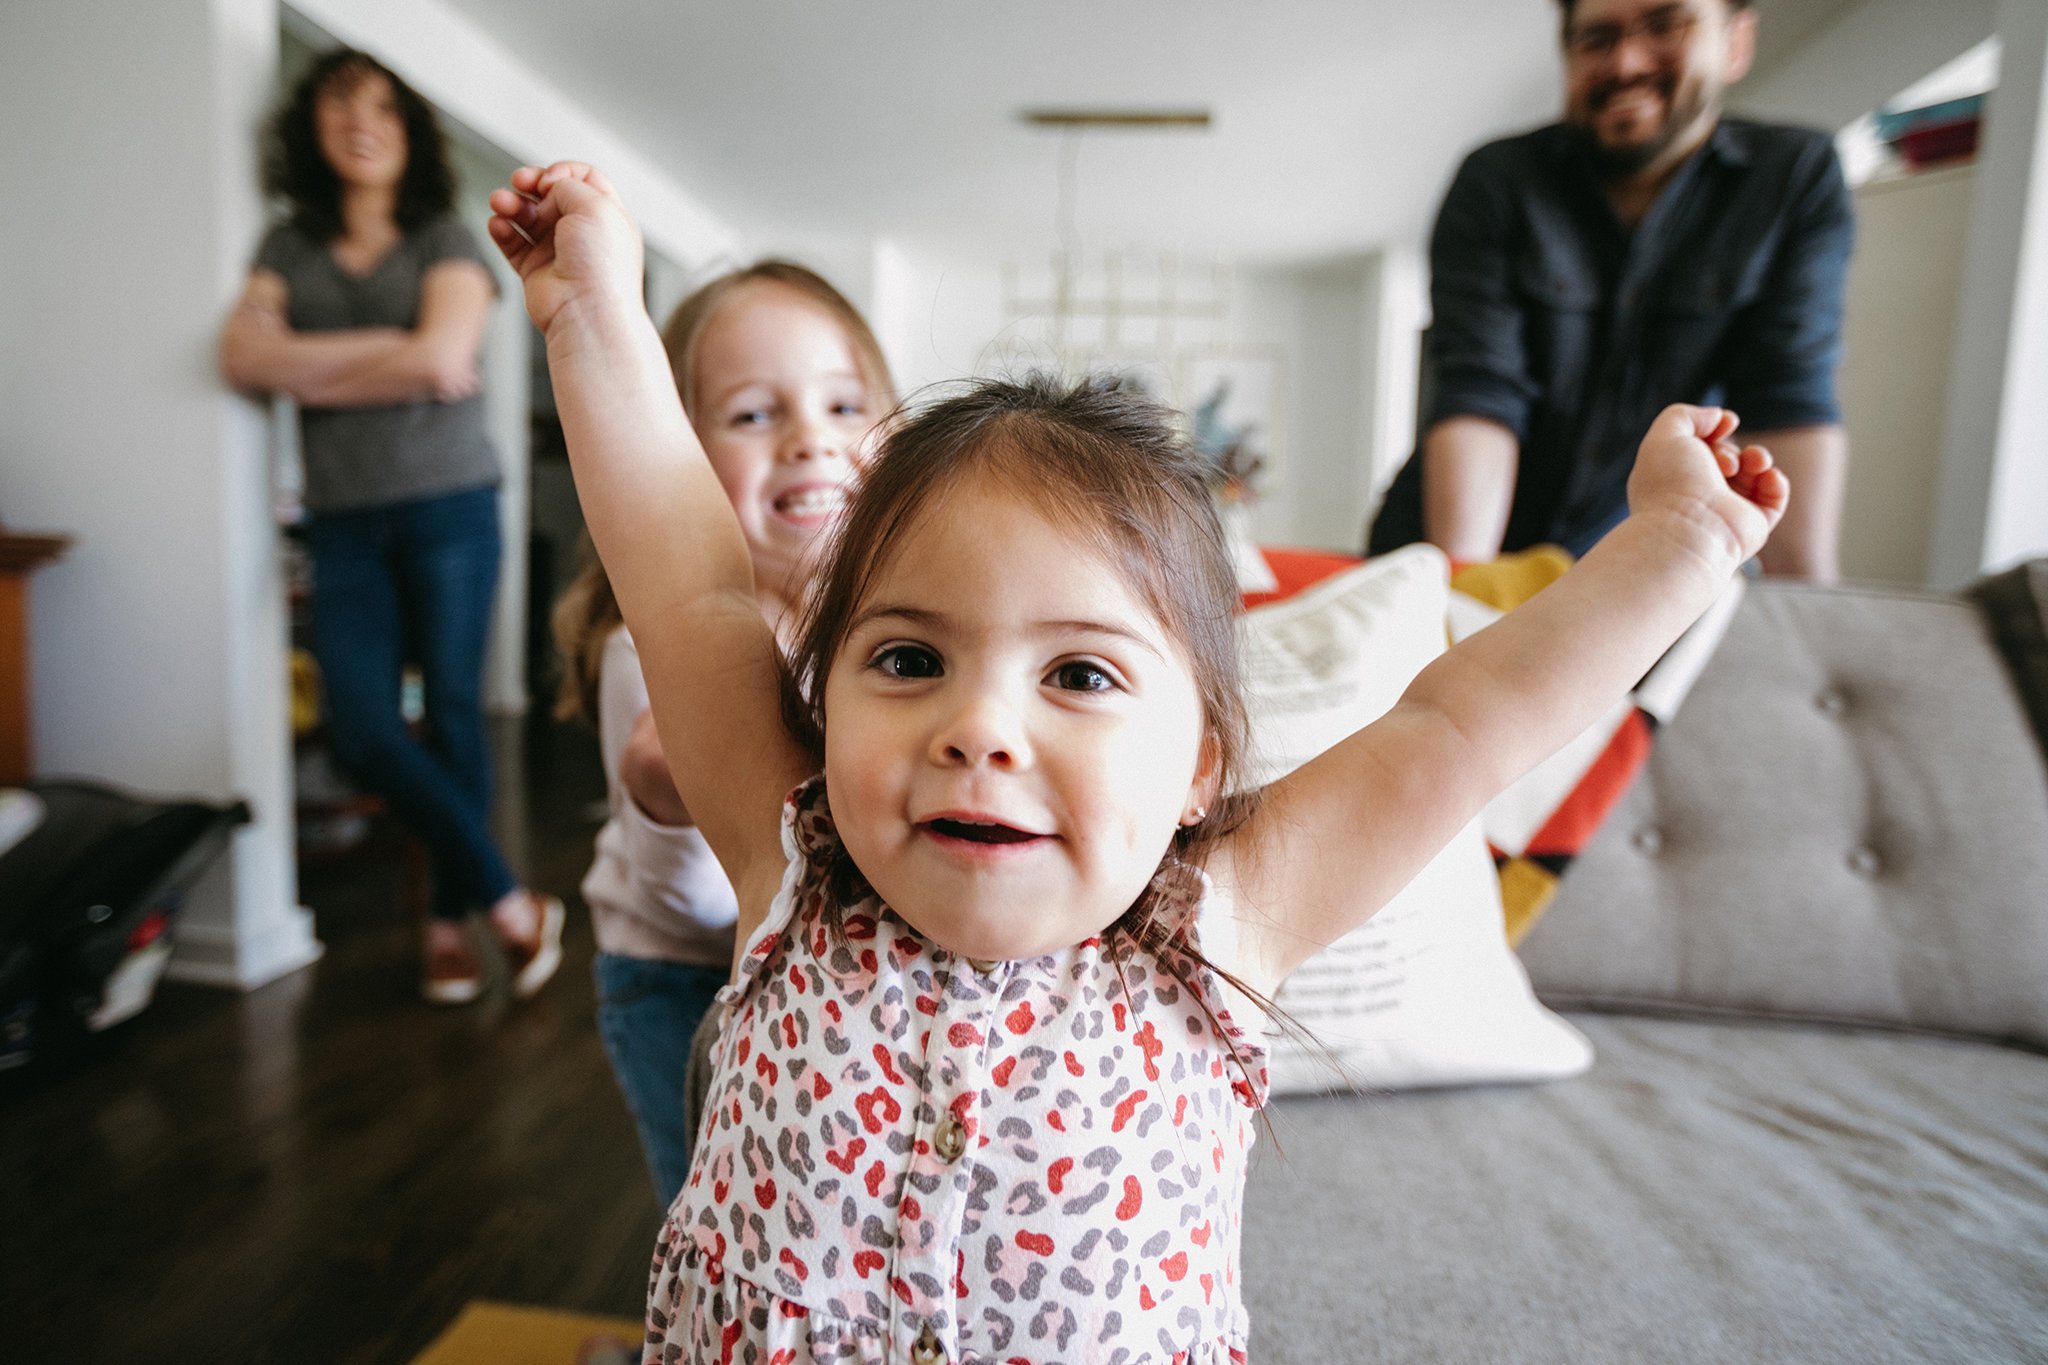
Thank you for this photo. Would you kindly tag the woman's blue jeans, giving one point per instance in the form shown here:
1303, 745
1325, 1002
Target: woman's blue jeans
413, 581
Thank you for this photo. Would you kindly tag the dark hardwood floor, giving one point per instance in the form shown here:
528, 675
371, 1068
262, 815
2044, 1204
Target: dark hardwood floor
327, 1169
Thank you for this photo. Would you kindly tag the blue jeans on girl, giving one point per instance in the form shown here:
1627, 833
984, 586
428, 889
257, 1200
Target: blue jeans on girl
413, 581
647, 1013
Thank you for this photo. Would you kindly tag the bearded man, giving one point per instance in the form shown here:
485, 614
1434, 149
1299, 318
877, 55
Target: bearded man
1644, 251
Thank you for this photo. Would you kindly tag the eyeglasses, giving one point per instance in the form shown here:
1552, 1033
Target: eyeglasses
1664, 31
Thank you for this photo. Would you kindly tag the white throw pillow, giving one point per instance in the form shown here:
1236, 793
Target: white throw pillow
1426, 993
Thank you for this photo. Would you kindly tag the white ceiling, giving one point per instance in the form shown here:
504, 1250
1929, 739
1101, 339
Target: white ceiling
1337, 122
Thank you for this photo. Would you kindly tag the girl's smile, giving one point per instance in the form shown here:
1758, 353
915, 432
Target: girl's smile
810, 504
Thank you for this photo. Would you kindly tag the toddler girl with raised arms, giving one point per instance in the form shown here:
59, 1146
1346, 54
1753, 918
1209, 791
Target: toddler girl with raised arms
987, 1085
783, 383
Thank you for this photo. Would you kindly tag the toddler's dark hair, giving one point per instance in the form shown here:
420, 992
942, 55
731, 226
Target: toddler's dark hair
1113, 465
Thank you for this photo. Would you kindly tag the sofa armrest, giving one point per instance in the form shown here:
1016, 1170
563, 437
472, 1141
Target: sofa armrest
2015, 604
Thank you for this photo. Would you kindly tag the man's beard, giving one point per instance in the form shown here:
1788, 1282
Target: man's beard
1683, 101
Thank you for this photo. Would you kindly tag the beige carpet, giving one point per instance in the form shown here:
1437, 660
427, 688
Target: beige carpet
507, 1334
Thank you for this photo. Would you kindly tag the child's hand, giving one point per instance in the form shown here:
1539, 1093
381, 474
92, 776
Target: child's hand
1689, 465
569, 237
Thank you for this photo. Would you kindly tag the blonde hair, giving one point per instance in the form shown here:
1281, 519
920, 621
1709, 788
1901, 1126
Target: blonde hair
686, 325
587, 612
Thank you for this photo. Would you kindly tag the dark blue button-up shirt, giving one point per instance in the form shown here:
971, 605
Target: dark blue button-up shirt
1555, 319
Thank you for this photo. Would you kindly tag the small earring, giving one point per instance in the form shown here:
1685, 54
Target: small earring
1195, 816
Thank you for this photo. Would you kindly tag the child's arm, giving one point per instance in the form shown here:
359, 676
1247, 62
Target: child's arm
659, 518
645, 774
1337, 838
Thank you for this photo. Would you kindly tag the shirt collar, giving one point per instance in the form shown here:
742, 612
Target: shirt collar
1730, 141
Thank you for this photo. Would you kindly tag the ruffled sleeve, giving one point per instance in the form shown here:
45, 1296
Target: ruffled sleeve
811, 843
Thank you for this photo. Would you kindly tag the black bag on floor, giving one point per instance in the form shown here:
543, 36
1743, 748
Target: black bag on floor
88, 901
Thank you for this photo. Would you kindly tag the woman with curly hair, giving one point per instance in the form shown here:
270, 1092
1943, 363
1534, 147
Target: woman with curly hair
367, 305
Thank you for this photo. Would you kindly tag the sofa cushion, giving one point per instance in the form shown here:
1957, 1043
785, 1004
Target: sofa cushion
1848, 821
1718, 1194
1426, 993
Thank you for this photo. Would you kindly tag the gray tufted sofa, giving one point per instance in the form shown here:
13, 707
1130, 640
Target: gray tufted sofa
1811, 949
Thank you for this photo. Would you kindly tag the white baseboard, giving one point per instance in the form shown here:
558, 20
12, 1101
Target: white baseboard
208, 955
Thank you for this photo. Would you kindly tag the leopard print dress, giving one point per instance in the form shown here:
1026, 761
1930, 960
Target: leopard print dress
907, 1155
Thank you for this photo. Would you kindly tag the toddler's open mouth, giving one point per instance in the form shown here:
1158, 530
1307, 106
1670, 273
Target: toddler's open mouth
979, 831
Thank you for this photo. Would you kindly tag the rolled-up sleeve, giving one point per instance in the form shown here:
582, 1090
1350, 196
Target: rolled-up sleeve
1478, 364
1783, 349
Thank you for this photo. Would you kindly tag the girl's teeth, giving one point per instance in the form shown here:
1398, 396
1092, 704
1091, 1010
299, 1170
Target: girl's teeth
811, 502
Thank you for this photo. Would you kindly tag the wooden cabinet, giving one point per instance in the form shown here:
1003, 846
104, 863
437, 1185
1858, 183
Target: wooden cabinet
20, 555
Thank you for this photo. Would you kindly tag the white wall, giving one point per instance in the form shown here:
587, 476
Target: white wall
1868, 53
1992, 507
1905, 282
934, 317
159, 642
1344, 334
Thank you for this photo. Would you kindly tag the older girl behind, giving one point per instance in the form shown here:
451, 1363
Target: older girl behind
783, 381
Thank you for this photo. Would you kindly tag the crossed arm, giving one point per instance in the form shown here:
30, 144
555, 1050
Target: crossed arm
260, 352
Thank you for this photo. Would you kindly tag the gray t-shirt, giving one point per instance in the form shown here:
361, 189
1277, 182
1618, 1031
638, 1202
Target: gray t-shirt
372, 456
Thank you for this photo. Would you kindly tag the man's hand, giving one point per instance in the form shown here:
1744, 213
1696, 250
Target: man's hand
1690, 467
566, 232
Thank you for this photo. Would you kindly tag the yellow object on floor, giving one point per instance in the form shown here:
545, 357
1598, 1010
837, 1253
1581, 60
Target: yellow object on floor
507, 1334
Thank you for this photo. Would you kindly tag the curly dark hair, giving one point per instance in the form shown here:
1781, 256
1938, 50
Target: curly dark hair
295, 169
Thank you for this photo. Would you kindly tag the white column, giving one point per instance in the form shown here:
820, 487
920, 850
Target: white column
1400, 311
507, 404
1992, 498
159, 645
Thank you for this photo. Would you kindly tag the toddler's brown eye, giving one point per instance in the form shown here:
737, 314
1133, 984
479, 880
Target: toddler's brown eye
1082, 677
908, 661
